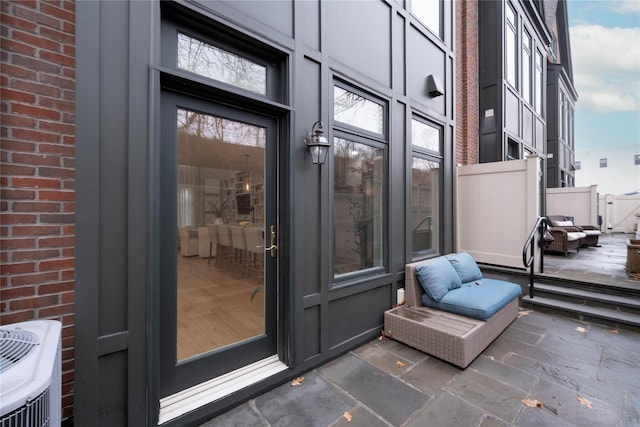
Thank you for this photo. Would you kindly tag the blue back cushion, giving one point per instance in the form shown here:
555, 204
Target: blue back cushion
477, 301
465, 266
437, 277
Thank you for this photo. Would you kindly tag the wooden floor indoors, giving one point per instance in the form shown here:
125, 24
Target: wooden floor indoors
215, 308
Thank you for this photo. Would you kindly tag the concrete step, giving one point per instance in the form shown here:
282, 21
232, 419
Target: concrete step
597, 314
598, 298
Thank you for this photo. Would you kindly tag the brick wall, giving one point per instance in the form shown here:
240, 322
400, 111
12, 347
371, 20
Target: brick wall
37, 149
467, 96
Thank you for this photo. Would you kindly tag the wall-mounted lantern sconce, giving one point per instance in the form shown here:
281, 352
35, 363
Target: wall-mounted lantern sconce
434, 86
317, 143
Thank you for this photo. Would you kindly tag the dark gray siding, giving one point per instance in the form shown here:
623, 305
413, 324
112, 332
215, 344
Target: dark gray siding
376, 46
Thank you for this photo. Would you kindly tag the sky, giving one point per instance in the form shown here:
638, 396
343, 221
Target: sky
605, 46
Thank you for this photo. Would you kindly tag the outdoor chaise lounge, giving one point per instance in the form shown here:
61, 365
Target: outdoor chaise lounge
592, 233
451, 311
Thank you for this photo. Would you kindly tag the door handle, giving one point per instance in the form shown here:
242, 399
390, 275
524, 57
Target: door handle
273, 248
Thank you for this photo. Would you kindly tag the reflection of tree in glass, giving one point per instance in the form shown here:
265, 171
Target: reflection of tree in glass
355, 177
357, 110
218, 64
220, 129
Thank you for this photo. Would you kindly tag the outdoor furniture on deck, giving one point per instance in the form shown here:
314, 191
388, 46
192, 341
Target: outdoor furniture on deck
592, 233
484, 308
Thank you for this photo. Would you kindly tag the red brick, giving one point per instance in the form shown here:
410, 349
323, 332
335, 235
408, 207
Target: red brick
57, 81
18, 268
29, 110
36, 159
59, 13
59, 287
57, 58
20, 72
35, 230
36, 255
35, 16
36, 64
37, 41
34, 279
57, 104
56, 172
13, 218
17, 194
67, 128
56, 195
9, 244
17, 47
56, 264
36, 206
61, 36
68, 275
15, 317
67, 297
35, 87
68, 207
63, 150
48, 242
14, 22
35, 135
17, 96
36, 302
57, 311
17, 292
14, 145
17, 170
35, 183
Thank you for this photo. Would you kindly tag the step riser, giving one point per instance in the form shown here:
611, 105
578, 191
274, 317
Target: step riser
586, 301
584, 317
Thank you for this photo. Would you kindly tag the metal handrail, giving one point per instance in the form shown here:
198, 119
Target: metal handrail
529, 263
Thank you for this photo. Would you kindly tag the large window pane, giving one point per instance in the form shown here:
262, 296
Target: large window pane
526, 67
428, 11
358, 206
425, 181
425, 136
539, 90
510, 54
358, 111
218, 64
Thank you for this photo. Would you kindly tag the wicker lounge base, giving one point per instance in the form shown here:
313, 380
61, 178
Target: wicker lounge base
456, 339
451, 337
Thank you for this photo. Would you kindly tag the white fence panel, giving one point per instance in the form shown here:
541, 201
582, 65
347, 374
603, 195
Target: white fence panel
498, 205
619, 212
578, 202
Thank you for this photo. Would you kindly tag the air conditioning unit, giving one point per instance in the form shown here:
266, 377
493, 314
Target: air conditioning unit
30, 374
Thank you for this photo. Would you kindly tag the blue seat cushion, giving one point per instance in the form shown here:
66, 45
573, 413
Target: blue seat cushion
466, 267
479, 301
437, 278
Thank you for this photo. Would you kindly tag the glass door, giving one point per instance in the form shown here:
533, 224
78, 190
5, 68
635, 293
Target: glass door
218, 240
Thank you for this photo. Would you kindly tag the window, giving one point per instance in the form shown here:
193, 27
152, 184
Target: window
428, 11
511, 54
526, 66
359, 163
539, 90
426, 139
218, 64
603, 163
636, 159
577, 165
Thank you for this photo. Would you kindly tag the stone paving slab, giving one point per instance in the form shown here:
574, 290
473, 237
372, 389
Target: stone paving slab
540, 356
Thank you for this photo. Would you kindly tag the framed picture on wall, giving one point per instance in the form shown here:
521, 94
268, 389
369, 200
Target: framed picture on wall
211, 203
211, 186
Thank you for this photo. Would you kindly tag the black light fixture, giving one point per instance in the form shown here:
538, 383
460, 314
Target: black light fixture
434, 86
317, 143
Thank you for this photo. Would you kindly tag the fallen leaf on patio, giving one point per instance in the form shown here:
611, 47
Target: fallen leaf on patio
613, 331
532, 403
581, 329
584, 401
400, 364
297, 382
347, 416
385, 335
524, 313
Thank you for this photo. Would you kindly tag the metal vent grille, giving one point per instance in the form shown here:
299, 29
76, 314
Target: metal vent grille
14, 345
34, 413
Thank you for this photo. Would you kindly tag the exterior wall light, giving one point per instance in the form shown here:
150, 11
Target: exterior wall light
434, 86
317, 143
